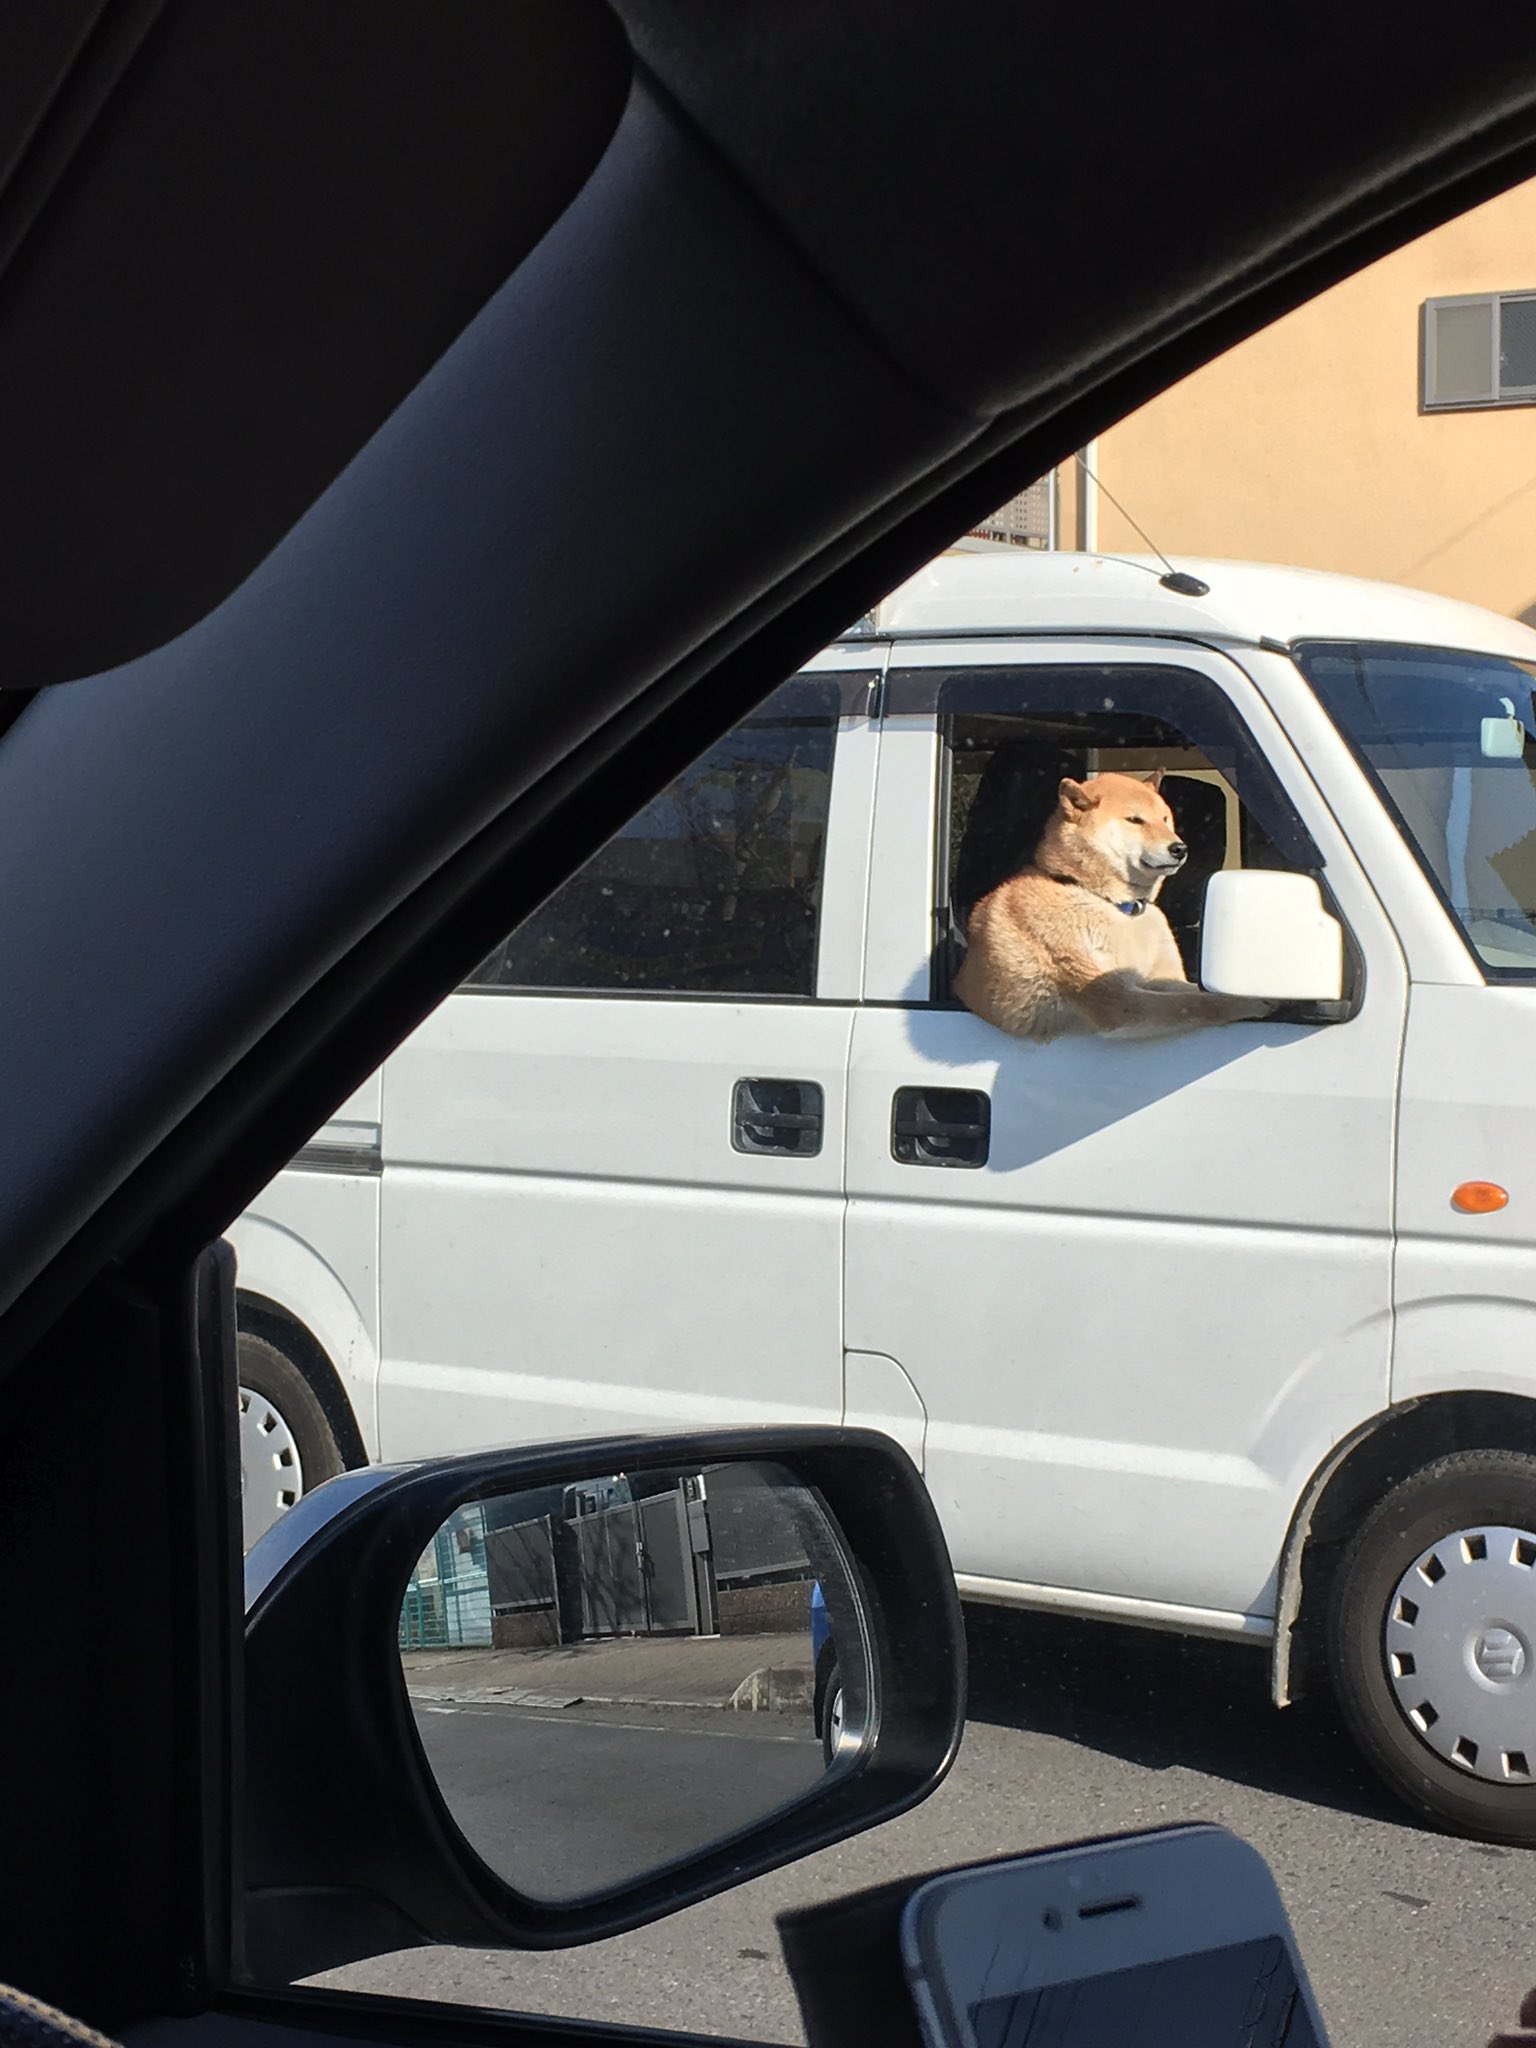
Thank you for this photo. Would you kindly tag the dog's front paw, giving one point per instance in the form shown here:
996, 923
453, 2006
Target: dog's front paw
1246, 1009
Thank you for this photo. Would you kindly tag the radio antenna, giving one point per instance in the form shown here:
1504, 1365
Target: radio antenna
1177, 580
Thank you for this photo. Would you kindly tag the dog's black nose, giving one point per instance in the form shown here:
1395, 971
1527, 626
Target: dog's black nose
1177, 848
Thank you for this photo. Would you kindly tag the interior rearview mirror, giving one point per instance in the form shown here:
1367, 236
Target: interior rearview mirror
1269, 935
533, 1698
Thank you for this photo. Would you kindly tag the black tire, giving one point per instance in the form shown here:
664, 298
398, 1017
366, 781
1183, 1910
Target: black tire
308, 1451
1455, 1497
831, 1702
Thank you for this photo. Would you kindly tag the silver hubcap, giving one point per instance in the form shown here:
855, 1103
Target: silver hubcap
1458, 1642
835, 1721
271, 1476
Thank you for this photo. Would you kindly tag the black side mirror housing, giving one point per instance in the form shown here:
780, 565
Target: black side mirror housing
351, 1848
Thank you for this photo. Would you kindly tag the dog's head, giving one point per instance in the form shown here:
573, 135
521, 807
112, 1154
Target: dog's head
1127, 825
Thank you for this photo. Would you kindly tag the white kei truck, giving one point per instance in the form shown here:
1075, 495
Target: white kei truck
1232, 1332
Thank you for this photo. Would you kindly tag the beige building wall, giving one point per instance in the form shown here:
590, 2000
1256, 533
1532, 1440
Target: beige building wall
1306, 444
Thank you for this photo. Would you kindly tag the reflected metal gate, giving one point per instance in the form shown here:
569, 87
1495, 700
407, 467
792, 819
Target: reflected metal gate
635, 1569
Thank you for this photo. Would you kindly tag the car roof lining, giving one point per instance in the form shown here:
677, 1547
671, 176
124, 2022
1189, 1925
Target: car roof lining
232, 240
1007, 195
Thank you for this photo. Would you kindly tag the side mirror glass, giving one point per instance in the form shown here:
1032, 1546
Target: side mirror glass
1270, 936
527, 1699
611, 1675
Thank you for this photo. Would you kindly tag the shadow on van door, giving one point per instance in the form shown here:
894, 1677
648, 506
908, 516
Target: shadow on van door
1164, 1702
1048, 1098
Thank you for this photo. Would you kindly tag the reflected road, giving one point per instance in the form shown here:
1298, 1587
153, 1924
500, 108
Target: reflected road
570, 1800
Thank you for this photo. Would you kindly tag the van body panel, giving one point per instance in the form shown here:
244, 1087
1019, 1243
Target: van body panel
1466, 1284
877, 1394
331, 1293
570, 1240
309, 1245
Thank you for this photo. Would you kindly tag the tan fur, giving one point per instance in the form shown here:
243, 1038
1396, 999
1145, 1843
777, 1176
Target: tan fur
1048, 954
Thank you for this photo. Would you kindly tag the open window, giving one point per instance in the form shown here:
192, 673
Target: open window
1009, 736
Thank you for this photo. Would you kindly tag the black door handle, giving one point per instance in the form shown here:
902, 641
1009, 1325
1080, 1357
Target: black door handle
777, 1116
941, 1126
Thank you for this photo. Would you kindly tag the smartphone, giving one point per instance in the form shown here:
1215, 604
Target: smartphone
1175, 1939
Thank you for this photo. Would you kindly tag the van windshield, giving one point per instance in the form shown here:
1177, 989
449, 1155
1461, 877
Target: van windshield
1450, 741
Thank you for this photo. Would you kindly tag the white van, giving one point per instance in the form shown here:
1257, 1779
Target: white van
1233, 1332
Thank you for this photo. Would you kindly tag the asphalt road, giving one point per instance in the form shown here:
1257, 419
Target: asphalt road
580, 1799
1412, 1940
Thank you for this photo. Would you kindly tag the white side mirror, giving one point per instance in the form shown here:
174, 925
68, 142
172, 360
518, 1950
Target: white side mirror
1268, 935
1503, 739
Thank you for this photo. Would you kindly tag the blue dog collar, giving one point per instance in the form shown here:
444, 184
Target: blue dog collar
1131, 909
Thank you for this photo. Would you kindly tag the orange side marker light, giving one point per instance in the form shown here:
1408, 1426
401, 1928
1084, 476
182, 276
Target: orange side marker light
1480, 1198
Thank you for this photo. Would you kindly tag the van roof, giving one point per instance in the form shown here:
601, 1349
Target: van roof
1029, 590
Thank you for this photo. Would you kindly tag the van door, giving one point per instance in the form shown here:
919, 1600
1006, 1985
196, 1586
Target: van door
613, 1178
1139, 1287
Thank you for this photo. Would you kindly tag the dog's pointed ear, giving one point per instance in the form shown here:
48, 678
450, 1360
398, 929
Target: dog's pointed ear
1076, 797
1155, 779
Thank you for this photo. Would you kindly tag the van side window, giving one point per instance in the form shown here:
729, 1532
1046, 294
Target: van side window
715, 888
1011, 735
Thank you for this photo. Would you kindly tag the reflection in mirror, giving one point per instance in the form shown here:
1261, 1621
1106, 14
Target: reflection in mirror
610, 1676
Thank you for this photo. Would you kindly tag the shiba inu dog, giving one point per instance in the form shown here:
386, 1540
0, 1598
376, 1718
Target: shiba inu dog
1076, 943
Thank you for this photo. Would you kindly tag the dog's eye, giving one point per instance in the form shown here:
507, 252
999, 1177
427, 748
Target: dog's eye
1135, 821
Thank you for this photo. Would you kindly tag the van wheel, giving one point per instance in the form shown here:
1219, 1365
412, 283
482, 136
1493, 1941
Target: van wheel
832, 1720
1433, 1642
286, 1444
